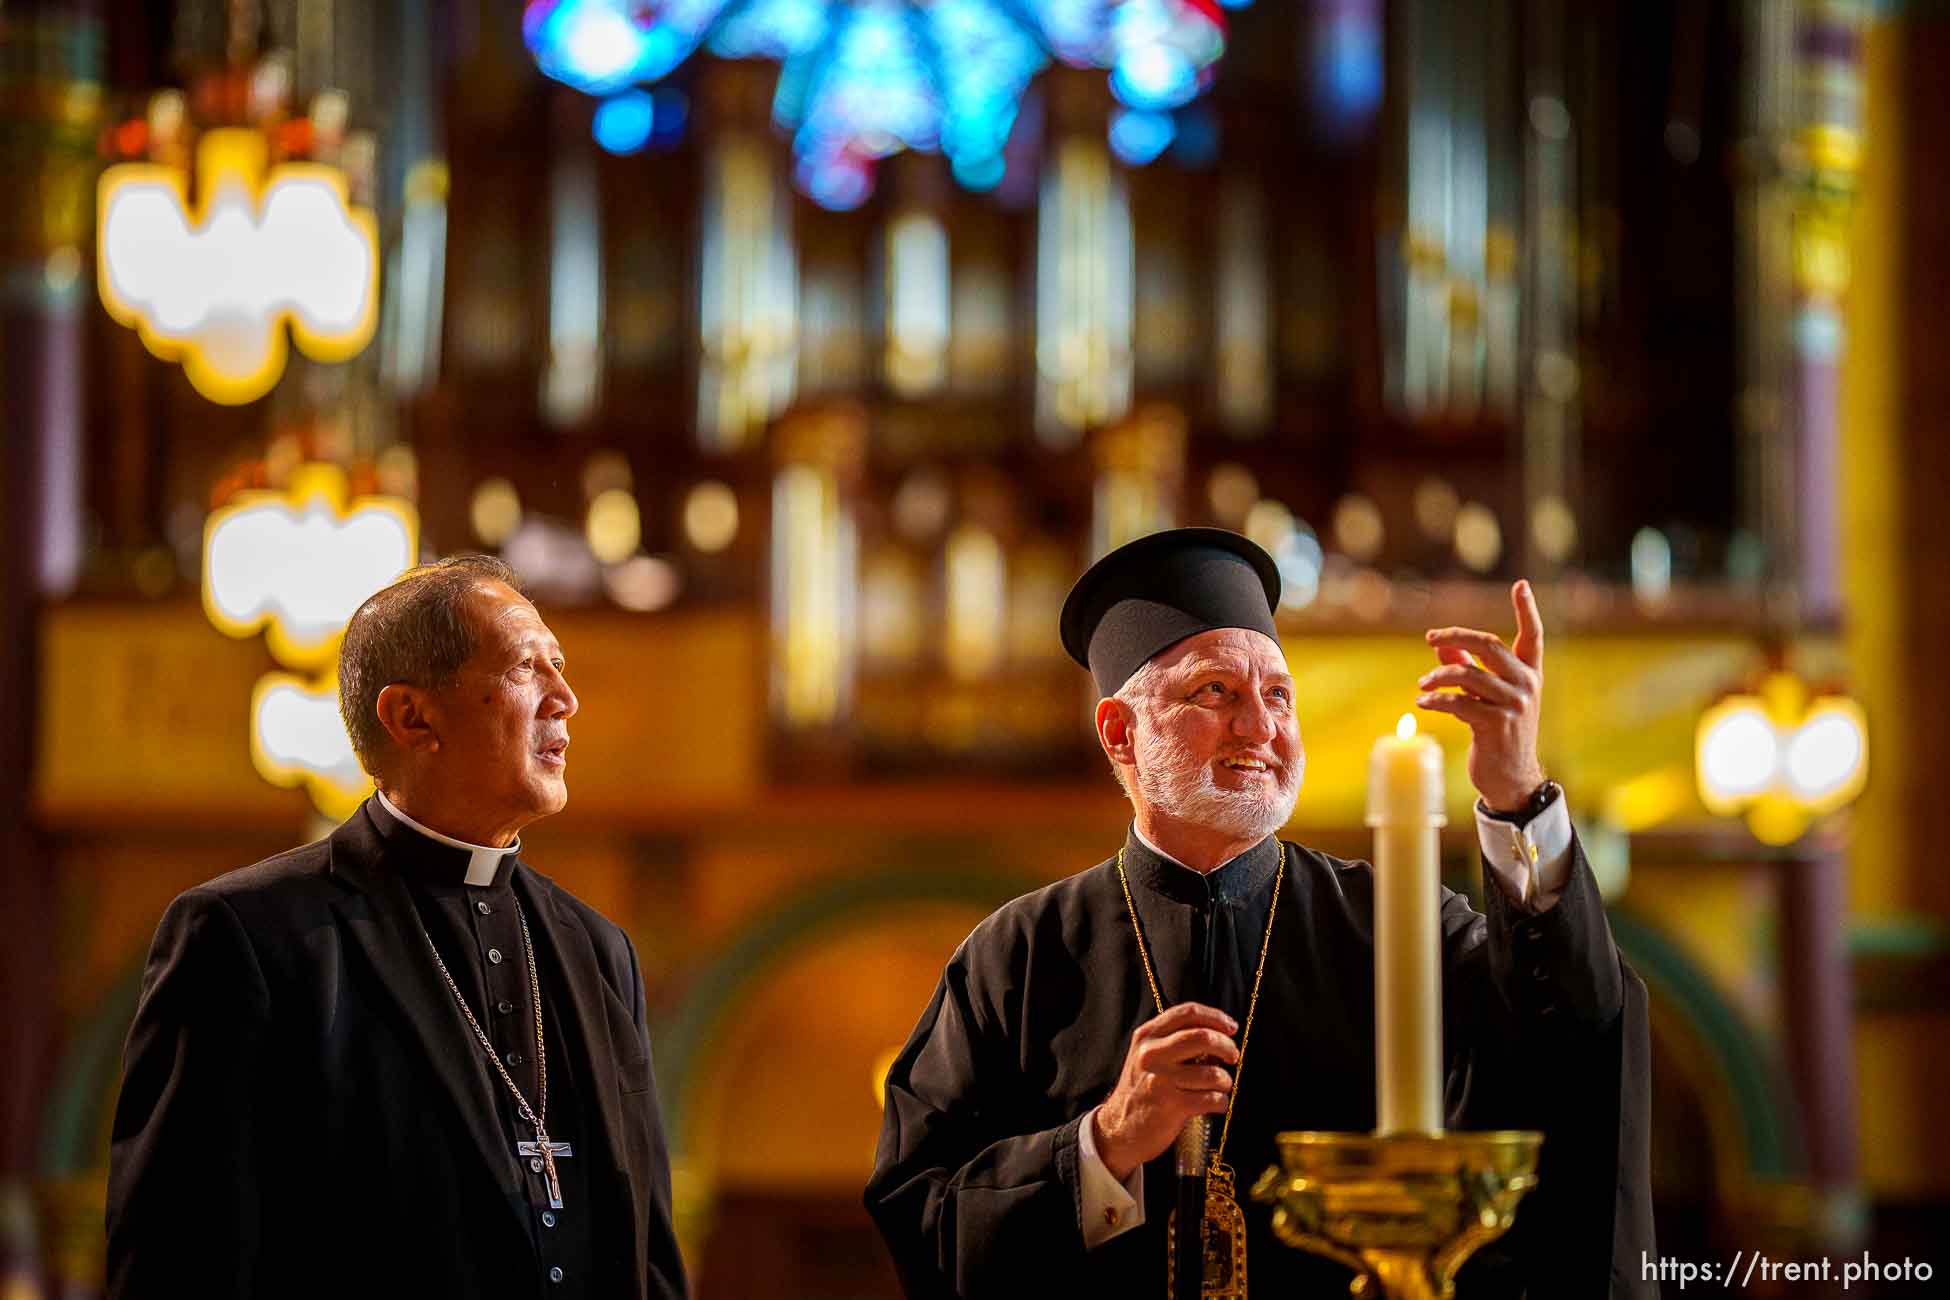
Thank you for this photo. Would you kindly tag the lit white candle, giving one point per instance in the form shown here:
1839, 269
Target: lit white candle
1405, 804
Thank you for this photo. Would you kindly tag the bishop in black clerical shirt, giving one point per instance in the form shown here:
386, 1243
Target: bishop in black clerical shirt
399, 1061
1027, 1144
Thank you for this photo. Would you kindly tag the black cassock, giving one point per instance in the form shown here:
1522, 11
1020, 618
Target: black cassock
305, 1112
975, 1184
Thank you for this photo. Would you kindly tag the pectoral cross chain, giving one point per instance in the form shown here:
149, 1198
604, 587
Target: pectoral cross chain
541, 1153
548, 1151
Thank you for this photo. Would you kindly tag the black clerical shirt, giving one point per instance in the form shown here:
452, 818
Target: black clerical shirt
1227, 911
478, 932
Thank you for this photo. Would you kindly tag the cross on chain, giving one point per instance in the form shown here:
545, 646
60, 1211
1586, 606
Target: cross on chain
541, 1152
547, 1151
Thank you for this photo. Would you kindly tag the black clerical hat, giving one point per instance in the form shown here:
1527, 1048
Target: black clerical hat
1154, 592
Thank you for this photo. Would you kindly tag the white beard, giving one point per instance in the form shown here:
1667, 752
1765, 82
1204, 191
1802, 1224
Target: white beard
1176, 783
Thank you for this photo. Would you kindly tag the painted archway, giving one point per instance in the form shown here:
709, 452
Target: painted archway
800, 923
1752, 1113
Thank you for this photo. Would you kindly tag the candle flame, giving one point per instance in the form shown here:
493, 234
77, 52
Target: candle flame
1406, 727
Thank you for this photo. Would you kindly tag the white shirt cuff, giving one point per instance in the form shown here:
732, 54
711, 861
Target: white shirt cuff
1110, 1208
1532, 863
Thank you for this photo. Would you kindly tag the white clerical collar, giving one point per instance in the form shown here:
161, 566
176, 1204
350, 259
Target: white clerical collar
481, 860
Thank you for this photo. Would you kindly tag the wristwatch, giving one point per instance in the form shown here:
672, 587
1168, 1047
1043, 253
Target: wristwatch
1540, 798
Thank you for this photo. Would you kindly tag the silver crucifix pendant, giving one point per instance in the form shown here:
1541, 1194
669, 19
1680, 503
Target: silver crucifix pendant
548, 1151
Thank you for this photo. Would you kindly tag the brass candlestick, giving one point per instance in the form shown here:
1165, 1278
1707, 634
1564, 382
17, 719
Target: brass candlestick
1403, 1210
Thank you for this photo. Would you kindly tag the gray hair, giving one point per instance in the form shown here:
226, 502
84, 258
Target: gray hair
415, 632
1137, 694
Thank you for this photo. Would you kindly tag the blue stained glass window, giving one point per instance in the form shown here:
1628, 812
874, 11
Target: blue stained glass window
602, 46
771, 29
871, 85
1078, 31
985, 60
1137, 137
624, 122
862, 79
1163, 52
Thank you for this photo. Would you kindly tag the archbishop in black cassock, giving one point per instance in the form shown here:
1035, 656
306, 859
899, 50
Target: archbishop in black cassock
306, 1110
989, 1180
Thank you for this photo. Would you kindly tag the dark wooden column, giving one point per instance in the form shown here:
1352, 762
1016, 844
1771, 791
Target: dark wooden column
50, 73
1821, 1036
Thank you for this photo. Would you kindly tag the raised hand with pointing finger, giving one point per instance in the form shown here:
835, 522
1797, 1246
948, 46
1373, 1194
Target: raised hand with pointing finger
1497, 690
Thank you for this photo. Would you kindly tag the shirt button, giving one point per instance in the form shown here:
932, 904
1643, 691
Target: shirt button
1111, 1216
548, 1218
494, 956
555, 1274
515, 1058
483, 909
535, 1164
504, 1006
1539, 973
